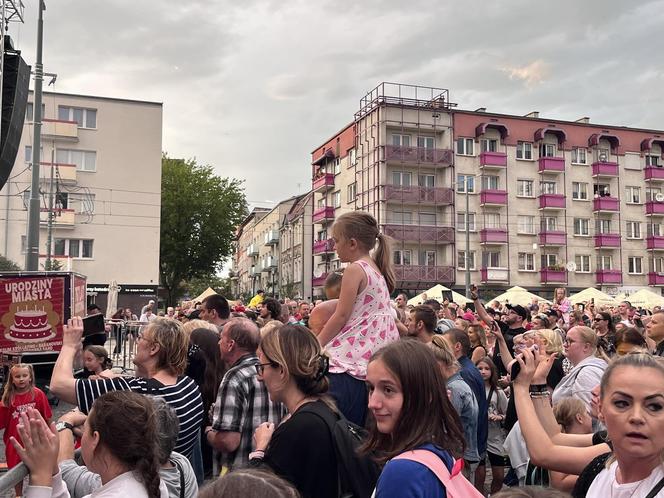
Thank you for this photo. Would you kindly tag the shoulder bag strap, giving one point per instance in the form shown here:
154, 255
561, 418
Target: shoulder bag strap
181, 471
658, 487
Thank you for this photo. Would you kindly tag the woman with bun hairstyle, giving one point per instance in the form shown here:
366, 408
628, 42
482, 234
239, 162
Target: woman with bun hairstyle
300, 449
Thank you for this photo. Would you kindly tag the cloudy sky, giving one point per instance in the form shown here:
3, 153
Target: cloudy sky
253, 86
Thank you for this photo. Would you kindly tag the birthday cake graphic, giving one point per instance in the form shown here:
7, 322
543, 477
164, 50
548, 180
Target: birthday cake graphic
30, 324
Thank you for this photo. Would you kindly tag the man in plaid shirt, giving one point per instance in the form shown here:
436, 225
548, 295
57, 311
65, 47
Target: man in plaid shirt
242, 400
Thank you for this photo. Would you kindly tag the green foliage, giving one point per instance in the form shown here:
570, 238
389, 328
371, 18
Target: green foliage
200, 212
195, 286
53, 265
8, 265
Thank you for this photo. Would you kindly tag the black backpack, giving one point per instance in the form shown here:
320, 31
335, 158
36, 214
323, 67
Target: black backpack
358, 474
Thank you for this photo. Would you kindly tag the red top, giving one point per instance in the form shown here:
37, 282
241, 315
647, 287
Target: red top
9, 419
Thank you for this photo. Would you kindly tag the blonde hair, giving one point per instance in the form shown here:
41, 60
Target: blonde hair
566, 411
554, 343
364, 229
10, 390
173, 344
442, 352
192, 325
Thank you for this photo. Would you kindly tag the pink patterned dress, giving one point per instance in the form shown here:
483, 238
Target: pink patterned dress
370, 327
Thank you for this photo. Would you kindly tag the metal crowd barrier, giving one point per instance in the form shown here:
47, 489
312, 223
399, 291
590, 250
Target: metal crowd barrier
121, 342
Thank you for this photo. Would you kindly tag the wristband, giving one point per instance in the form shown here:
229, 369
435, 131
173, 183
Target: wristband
544, 394
257, 455
538, 388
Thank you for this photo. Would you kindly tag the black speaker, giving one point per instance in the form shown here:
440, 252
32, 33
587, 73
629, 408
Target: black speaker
15, 87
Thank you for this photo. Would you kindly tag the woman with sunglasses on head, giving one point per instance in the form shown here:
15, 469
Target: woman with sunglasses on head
300, 449
411, 411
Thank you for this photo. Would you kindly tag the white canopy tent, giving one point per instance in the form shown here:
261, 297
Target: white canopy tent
645, 298
436, 292
518, 295
601, 299
207, 292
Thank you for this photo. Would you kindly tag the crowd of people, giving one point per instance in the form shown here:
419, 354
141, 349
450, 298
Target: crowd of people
360, 395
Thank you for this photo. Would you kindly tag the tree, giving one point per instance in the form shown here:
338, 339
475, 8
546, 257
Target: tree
221, 285
199, 214
7, 264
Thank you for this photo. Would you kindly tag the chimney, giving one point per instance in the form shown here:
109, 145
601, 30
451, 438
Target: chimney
534, 114
584, 120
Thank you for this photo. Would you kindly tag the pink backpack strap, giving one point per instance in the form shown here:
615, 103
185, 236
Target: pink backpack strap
430, 460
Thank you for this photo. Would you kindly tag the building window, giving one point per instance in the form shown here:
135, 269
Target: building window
403, 217
526, 224
605, 263
526, 261
652, 160
489, 145
465, 181
654, 229
402, 257
548, 187
490, 182
524, 150
337, 166
601, 190
651, 193
633, 195
425, 142
86, 118
491, 259
30, 109
547, 150
428, 258
524, 188
582, 262
461, 260
461, 222
428, 219
633, 229
401, 178
579, 191
28, 153
83, 159
492, 220
602, 226
351, 193
464, 146
549, 261
579, 156
427, 181
635, 265
548, 224
400, 140
353, 157
336, 199
73, 248
581, 227
658, 264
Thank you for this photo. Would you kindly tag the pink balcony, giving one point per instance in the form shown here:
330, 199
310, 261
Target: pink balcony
323, 246
553, 276
319, 281
552, 238
654, 174
608, 276
419, 155
656, 279
551, 201
493, 160
323, 215
491, 197
551, 164
655, 242
493, 236
420, 233
607, 240
323, 183
603, 168
421, 276
434, 195
489, 275
607, 204
655, 208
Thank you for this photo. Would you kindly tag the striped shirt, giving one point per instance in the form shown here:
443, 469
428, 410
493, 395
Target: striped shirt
183, 396
242, 405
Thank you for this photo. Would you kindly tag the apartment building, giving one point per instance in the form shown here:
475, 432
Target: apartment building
101, 164
549, 203
259, 256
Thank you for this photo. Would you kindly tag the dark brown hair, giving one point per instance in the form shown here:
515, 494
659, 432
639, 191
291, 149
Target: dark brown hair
127, 427
101, 354
364, 229
427, 315
493, 380
249, 482
208, 343
631, 336
427, 415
